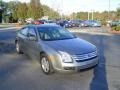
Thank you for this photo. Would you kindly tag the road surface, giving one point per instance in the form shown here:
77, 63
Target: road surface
19, 72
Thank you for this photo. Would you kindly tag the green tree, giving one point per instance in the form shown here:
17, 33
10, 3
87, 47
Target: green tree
82, 15
35, 9
50, 12
73, 16
12, 5
4, 12
21, 10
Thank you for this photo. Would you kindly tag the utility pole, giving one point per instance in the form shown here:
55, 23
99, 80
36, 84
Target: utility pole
109, 10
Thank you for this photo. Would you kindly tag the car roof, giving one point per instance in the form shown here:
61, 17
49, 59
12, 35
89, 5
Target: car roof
44, 25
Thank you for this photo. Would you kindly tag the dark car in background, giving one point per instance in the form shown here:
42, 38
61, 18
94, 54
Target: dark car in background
75, 23
84, 23
65, 23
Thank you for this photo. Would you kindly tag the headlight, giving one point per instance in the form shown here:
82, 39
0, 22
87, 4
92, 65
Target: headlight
66, 58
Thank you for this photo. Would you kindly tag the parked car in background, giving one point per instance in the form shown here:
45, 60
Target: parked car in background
20, 21
65, 23
115, 23
29, 20
96, 23
38, 22
84, 23
51, 21
92, 23
75, 23
44, 21
56, 48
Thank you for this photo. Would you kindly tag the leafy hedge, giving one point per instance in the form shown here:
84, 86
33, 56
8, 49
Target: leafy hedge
116, 28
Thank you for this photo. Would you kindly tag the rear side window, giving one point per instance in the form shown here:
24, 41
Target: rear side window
32, 32
24, 31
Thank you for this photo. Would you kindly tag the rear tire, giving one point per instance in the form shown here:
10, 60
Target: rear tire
18, 48
46, 65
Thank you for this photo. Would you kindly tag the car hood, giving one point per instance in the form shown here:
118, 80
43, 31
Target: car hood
71, 46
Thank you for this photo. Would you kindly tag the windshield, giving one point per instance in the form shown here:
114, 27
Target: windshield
54, 33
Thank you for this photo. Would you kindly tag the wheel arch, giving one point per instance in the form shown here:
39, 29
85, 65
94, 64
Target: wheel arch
51, 63
16, 41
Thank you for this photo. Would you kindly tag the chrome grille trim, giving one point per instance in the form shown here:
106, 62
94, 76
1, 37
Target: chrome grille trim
83, 57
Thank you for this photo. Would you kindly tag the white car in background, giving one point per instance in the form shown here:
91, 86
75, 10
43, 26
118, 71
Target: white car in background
29, 20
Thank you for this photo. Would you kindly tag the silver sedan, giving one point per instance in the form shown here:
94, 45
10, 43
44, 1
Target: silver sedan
56, 48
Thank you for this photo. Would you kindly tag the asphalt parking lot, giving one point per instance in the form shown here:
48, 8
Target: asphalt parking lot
19, 72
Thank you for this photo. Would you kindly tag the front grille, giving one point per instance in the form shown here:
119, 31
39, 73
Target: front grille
84, 57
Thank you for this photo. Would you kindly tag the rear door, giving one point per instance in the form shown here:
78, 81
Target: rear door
22, 37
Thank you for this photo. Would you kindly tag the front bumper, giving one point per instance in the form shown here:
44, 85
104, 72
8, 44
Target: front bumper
78, 66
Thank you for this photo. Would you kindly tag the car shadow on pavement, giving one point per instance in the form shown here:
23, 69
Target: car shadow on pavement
99, 80
7, 48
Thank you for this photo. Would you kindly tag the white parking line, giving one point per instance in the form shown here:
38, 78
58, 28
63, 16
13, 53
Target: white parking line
2, 29
92, 33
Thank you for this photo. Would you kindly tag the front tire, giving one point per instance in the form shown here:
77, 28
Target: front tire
46, 65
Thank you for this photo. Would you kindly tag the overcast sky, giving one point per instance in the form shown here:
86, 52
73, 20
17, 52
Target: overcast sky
69, 6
